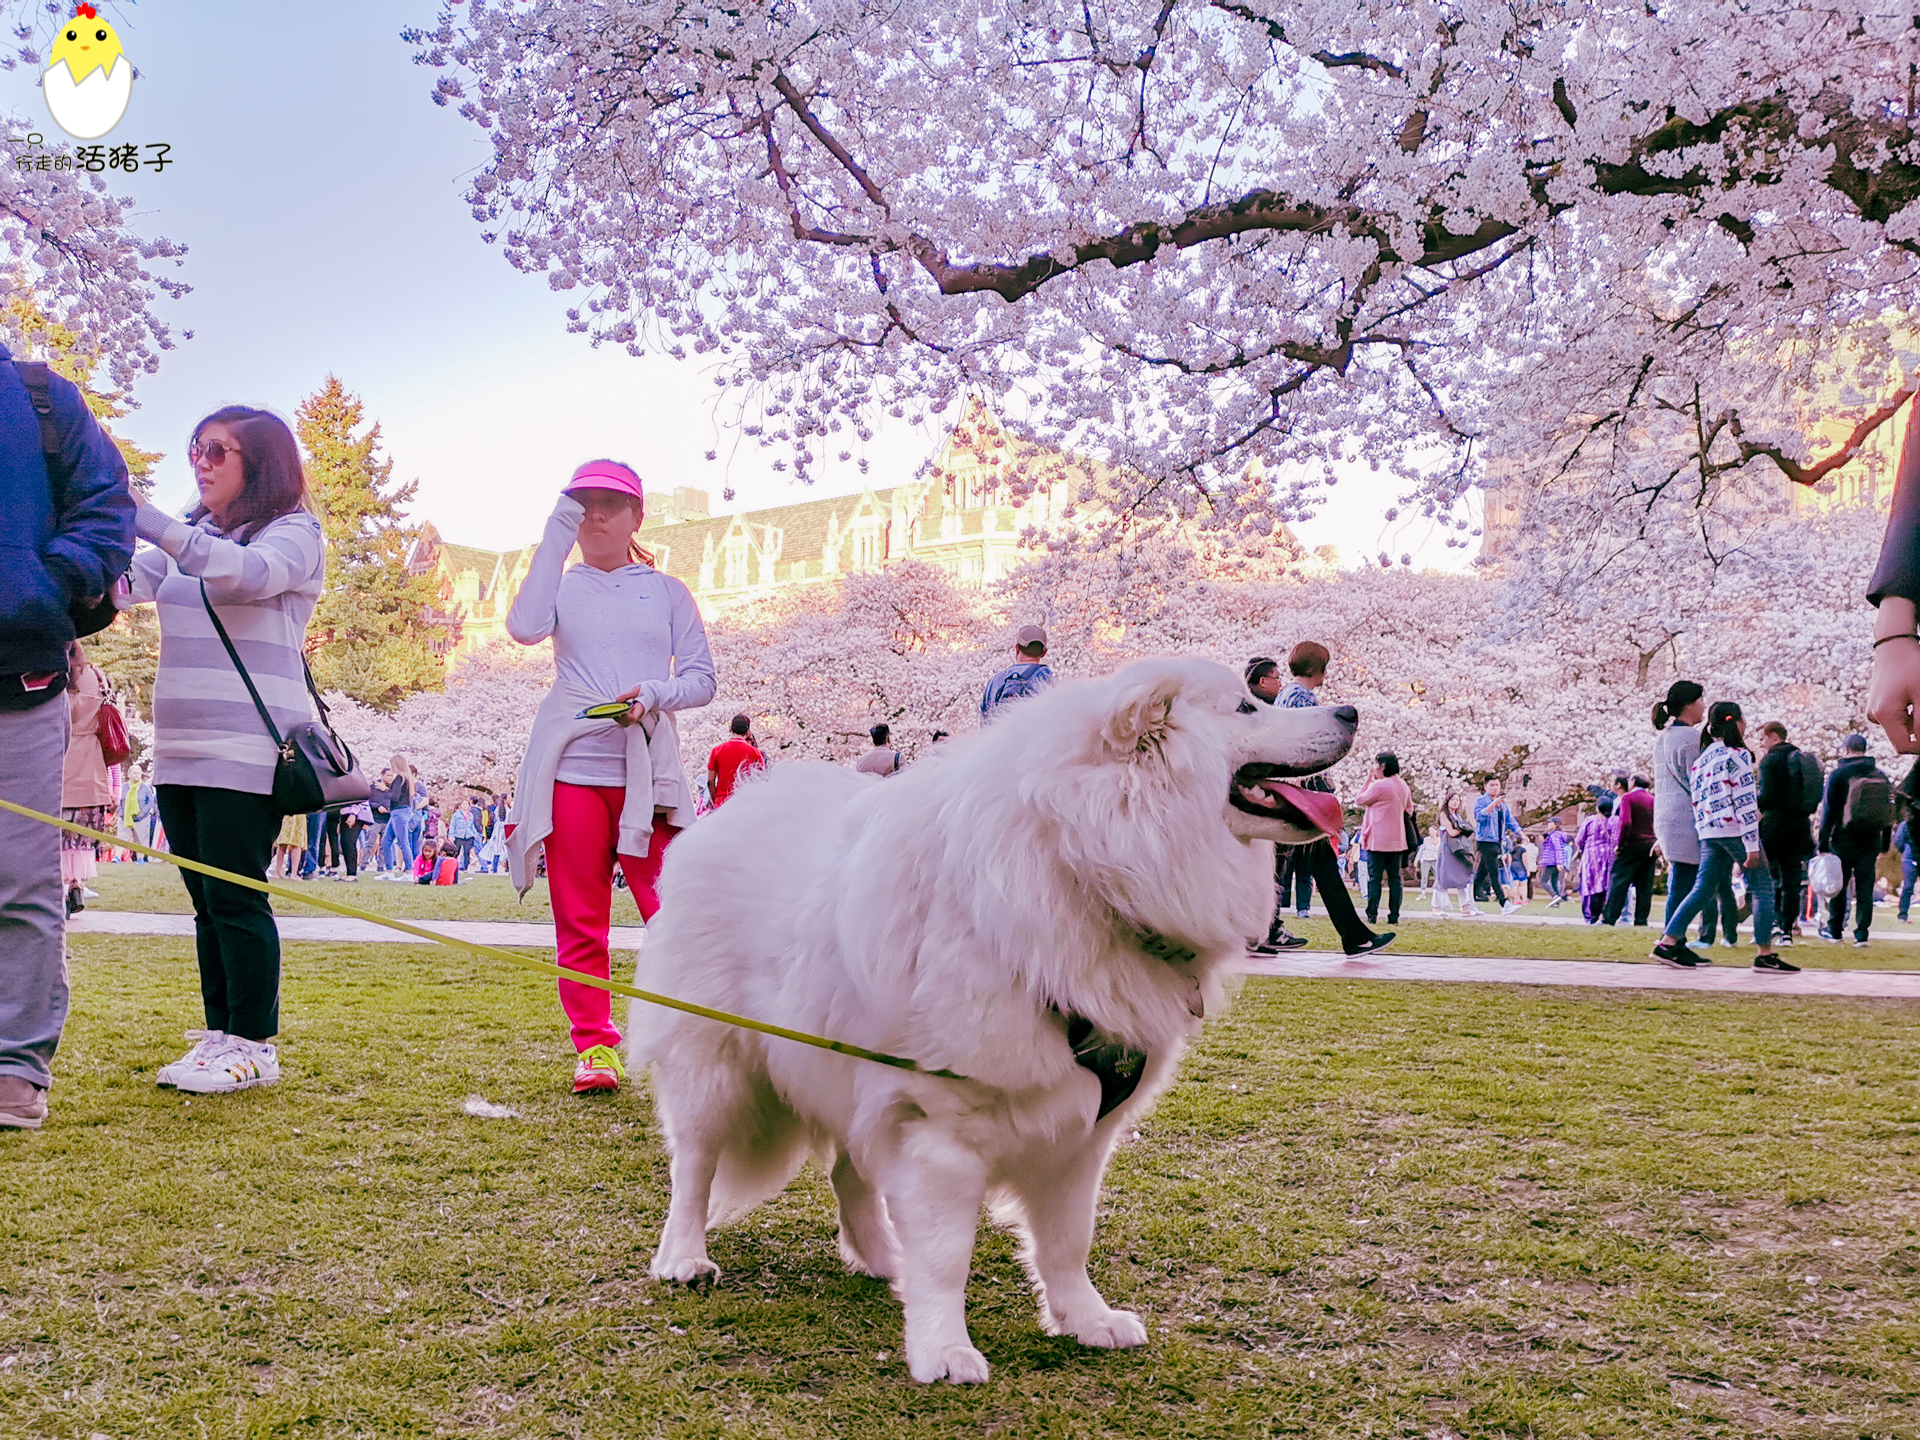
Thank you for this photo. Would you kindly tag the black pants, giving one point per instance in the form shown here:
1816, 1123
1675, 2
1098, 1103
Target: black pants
1632, 867
1856, 865
1384, 864
1789, 882
1489, 870
340, 842
1293, 877
233, 929
1324, 866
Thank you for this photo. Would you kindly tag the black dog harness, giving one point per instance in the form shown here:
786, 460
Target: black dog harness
1116, 1065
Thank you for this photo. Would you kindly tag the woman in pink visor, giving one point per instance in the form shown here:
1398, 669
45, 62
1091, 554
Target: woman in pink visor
599, 789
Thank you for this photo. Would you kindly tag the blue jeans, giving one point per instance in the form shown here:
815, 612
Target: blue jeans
1718, 857
1908, 868
403, 833
1721, 909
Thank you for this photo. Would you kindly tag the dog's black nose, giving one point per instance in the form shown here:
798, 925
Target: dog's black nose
1346, 715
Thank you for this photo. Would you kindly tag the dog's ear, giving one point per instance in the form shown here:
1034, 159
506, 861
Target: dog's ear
1142, 713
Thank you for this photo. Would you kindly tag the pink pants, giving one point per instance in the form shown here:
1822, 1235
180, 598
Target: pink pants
580, 857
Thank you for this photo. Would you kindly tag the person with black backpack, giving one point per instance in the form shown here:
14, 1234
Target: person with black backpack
1856, 826
69, 531
1790, 789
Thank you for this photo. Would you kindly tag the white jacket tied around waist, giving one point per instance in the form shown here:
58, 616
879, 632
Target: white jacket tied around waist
613, 631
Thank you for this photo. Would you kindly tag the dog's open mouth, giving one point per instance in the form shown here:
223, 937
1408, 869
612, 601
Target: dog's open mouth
1258, 791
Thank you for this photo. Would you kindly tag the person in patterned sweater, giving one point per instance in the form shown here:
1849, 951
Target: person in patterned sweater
1726, 815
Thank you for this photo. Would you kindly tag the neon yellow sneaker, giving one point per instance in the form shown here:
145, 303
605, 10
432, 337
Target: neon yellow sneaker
599, 1069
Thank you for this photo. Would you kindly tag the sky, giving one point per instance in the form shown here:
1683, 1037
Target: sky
319, 193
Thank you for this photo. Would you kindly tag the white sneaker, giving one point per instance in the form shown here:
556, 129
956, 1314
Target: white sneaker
1438, 910
206, 1043
237, 1065
87, 893
1508, 908
1473, 912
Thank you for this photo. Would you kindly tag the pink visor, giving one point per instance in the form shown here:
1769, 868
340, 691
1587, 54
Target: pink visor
605, 475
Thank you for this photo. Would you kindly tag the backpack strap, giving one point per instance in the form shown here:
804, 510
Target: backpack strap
38, 380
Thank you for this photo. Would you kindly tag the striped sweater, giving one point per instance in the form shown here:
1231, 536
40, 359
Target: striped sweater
206, 730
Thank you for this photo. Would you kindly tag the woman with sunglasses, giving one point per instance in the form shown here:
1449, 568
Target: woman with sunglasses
602, 782
251, 553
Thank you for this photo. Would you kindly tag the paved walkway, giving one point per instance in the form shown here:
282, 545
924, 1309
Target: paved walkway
1603, 974
1886, 926
1304, 964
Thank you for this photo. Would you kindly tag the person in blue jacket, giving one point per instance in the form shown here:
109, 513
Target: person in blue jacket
66, 538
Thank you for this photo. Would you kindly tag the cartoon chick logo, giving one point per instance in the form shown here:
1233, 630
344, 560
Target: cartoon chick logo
88, 80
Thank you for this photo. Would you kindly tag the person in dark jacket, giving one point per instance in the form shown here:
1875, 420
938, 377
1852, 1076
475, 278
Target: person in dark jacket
1785, 832
1307, 663
66, 531
1632, 853
1858, 847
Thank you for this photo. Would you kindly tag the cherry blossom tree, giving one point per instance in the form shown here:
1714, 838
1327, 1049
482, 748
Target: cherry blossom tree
1421, 234
1443, 673
473, 733
71, 245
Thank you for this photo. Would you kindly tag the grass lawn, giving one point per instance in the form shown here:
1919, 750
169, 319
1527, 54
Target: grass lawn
157, 889
1420, 1211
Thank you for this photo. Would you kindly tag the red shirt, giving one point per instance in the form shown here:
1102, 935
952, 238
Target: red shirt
729, 759
1633, 819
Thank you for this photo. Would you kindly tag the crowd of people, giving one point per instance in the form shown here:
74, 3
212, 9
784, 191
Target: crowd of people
601, 790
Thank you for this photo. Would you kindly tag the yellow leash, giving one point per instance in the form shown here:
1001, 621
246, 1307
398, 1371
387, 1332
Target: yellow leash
525, 962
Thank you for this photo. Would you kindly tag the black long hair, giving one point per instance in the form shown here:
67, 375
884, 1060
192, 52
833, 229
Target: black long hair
1723, 724
1680, 695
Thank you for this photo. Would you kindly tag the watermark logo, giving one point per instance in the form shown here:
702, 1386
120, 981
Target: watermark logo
88, 80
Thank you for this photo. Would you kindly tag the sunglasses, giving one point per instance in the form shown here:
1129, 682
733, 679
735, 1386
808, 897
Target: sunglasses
215, 452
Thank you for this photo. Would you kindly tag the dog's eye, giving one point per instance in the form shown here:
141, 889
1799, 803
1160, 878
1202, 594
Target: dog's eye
1247, 707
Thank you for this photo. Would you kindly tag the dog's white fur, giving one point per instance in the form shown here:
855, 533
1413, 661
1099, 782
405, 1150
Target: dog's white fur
952, 914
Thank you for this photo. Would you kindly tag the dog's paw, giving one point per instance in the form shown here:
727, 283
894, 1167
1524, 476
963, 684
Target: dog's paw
956, 1364
1110, 1330
691, 1270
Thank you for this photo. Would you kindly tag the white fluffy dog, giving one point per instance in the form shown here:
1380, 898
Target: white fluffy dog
1046, 908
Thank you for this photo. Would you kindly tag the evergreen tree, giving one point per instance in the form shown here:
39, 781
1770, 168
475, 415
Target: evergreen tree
371, 630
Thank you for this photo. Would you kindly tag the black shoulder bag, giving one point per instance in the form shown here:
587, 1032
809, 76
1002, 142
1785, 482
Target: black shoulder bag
314, 770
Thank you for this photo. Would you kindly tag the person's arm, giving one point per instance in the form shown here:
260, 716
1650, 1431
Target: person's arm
693, 682
533, 615
1746, 802
92, 540
1830, 809
1893, 692
83, 703
287, 554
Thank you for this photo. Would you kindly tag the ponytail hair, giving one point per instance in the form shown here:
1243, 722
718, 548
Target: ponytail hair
1723, 724
1680, 695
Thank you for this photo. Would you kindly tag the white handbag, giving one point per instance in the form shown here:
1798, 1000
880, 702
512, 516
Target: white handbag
1824, 875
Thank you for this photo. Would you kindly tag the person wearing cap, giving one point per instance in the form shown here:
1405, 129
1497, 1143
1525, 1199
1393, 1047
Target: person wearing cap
1026, 675
1859, 843
594, 792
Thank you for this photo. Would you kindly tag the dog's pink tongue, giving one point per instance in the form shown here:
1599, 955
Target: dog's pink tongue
1320, 808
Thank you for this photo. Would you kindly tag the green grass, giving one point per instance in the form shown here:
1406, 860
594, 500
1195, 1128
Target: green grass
1366, 1210
157, 889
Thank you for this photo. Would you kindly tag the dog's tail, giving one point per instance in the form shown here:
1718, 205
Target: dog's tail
763, 1153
